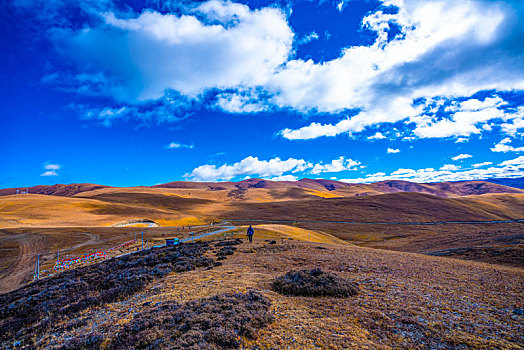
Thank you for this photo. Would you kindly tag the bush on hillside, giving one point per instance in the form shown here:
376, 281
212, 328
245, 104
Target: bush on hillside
209, 323
314, 283
231, 242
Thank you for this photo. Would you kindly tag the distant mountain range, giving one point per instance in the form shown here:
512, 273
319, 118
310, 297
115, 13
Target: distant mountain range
342, 189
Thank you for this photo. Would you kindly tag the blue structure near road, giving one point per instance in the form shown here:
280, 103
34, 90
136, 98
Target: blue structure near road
172, 241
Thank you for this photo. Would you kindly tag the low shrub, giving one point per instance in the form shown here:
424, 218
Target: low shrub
34, 309
209, 323
227, 250
87, 341
314, 283
229, 242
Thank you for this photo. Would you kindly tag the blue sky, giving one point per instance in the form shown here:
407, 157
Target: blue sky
144, 92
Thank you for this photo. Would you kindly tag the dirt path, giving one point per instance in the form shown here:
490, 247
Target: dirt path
20, 271
17, 268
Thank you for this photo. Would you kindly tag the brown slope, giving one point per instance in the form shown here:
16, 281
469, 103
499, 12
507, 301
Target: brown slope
393, 207
468, 188
443, 189
54, 190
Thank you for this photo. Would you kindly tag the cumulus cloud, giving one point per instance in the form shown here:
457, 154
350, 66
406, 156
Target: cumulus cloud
178, 145
283, 178
468, 117
479, 165
377, 136
447, 51
509, 168
462, 156
237, 102
229, 56
272, 169
504, 146
518, 162
248, 166
216, 45
51, 170
393, 150
336, 165
451, 167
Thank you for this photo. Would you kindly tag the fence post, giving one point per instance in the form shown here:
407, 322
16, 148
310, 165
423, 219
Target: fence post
38, 266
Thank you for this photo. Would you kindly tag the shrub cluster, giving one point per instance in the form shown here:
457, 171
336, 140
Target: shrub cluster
224, 251
209, 323
34, 309
315, 283
227, 248
232, 242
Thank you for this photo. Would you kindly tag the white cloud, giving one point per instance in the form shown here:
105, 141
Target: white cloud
215, 45
308, 38
248, 166
479, 165
510, 168
462, 156
511, 127
49, 173
469, 117
393, 150
519, 162
447, 50
377, 136
421, 64
239, 103
51, 170
51, 166
336, 165
275, 168
461, 140
175, 145
284, 178
504, 146
451, 167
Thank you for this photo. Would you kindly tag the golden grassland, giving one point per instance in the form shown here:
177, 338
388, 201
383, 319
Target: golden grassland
406, 300
42, 223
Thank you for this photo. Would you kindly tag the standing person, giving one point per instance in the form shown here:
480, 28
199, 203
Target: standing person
250, 233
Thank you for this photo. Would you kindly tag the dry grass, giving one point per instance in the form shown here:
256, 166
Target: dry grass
300, 233
405, 300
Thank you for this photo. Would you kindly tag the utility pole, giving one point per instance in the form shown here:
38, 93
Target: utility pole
142, 233
37, 267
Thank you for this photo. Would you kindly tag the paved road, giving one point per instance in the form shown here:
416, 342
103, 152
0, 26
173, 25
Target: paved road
225, 229
384, 223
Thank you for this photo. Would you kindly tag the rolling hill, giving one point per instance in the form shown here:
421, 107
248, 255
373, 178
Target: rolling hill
299, 188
